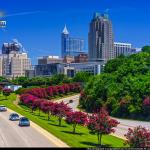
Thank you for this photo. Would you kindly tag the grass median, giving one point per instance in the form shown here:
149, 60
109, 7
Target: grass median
82, 138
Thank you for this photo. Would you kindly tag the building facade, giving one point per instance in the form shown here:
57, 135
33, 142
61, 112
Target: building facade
93, 68
122, 49
13, 46
81, 58
70, 46
100, 38
48, 69
49, 59
13, 62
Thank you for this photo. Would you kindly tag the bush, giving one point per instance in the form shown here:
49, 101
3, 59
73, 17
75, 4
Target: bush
138, 137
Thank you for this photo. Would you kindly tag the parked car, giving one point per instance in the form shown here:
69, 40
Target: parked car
3, 108
23, 121
71, 101
14, 117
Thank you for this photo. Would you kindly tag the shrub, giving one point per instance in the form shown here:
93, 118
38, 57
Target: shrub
138, 137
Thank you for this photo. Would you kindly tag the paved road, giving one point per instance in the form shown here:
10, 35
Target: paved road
73, 105
11, 135
122, 128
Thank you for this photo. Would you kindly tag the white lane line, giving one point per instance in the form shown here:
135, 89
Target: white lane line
47, 134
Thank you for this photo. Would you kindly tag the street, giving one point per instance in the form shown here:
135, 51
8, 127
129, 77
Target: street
121, 129
11, 135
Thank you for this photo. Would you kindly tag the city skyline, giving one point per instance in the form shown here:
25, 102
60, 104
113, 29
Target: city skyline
43, 37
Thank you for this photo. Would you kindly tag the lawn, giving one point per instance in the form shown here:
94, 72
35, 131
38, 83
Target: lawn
81, 139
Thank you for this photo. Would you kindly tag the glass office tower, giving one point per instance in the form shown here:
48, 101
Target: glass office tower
70, 46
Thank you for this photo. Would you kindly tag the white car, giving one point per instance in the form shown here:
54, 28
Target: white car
3, 108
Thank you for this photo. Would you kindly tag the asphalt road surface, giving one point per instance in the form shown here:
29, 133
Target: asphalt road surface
11, 135
121, 129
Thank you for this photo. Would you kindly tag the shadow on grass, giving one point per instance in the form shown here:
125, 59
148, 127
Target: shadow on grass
69, 132
95, 144
57, 125
3, 99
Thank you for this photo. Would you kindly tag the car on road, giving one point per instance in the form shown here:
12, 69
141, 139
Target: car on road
23, 121
71, 101
14, 117
3, 108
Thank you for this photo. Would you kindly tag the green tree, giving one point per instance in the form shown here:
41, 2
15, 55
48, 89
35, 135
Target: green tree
146, 49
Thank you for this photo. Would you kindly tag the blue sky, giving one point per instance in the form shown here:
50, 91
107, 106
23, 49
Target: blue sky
37, 24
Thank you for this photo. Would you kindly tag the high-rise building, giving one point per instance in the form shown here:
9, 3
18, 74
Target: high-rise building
11, 47
100, 38
122, 49
70, 46
14, 62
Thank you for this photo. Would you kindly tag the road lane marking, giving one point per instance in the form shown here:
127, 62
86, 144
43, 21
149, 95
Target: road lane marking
44, 132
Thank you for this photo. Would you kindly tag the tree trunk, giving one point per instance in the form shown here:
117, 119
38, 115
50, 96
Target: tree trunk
99, 135
74, 127
39, 112
59, 121
100, 139
48, 116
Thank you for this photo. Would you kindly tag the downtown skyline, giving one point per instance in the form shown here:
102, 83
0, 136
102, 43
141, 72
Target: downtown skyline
39, 27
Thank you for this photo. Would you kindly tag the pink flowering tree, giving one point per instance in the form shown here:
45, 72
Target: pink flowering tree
6, 92
49, 91
47, 107
60, 110
100, 123
76, 118
138, 137
28, 99
37, 104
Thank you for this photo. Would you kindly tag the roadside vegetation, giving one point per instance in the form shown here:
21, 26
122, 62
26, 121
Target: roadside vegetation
123, 87
81, 137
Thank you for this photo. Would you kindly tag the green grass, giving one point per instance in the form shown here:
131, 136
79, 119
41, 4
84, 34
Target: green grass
81, 139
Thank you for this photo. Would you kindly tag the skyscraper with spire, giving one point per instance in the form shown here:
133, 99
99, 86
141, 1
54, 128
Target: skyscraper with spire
70, 46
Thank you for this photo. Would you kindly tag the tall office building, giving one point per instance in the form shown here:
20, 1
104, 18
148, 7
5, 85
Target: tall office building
70, 46
100, 38
13, 62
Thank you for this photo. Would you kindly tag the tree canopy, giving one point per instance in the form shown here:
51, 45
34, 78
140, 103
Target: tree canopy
122, 87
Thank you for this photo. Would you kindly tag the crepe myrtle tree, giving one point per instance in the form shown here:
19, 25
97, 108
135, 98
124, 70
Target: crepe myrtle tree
138, 137
60, 110
100, 123
76, 118
28, 100
47, 107
37, 104
6, 92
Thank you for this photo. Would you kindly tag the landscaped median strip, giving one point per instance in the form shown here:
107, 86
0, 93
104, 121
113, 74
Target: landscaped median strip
48, 135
